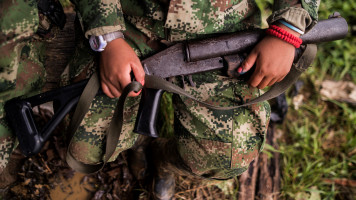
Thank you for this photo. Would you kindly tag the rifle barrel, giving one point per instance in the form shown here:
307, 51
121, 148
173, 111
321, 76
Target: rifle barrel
324, 31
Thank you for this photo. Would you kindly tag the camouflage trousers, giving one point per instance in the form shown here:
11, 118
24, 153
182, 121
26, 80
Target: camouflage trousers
209, 143
22, 73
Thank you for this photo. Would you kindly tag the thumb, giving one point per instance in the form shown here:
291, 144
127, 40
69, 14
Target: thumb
247, 63
139, 74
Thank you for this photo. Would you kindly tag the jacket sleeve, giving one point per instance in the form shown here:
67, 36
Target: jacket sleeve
99, 17
302, 14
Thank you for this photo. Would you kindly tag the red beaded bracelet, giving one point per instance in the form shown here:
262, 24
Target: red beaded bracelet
284, 35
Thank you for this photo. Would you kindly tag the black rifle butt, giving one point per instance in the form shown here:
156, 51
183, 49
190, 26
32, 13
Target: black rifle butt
20, 117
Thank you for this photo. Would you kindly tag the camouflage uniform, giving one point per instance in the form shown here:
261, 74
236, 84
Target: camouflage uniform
209, 143
212, 144
21, 61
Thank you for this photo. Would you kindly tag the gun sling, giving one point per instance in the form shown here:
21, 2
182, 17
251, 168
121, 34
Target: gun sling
155, 82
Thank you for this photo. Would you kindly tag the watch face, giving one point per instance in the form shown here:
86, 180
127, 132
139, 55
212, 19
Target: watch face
97, 43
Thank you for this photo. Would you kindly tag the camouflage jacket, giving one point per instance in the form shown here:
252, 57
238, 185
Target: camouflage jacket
18, 19
186, 19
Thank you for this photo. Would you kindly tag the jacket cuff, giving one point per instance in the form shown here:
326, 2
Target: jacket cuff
104, 30
298, 17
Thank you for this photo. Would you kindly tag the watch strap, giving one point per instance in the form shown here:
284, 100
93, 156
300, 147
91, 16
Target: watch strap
108, 37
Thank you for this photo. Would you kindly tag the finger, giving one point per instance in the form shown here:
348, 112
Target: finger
106, 90
248, 63
139, 74
256, 78
124, 81
111, 88
115, 90
265, 81
279, 80
272, 82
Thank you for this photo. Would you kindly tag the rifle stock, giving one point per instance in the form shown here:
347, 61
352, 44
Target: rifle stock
179, 59
19, 115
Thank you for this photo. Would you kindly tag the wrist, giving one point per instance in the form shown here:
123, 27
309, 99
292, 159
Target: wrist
285, 35
289, 28
114, 45
296, 16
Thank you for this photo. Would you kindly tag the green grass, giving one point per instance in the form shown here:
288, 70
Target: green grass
319, 138
319, 141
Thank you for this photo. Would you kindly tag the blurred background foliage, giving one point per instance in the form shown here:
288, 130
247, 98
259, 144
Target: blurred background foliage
318, 142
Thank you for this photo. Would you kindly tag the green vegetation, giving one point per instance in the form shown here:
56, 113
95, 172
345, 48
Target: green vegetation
66, 3
318, 142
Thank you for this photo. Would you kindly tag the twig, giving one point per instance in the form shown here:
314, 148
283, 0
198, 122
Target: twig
196, 188
341, 181
45, 164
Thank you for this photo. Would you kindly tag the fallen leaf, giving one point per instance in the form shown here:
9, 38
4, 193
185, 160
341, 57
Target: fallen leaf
27, 181
344, 91
302, 196
227, 187
298, 101
114, 172
314, 193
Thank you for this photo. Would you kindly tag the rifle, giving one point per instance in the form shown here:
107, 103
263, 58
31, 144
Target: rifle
222, 52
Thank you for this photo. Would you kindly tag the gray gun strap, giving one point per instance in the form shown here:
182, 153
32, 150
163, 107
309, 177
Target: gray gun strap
154, 82
301, 65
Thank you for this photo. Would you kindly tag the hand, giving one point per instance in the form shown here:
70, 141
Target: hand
116, 63
273, 58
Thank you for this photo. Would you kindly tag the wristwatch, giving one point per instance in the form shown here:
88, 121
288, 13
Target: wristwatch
98, 43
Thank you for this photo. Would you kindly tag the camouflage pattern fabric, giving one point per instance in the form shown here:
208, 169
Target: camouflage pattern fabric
178, 20
220, 144
100, 16
87, 145
312, 6
214, 144
235, 136
21, 62
18, 20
